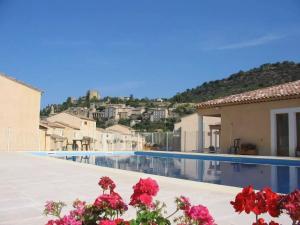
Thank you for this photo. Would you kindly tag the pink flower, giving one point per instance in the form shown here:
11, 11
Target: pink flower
66, 220
107, 222
201, 214
79, 208
50, 207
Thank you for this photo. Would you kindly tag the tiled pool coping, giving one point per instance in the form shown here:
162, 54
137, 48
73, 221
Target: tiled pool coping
271, 160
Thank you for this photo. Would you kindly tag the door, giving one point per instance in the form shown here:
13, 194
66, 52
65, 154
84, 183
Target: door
282, 131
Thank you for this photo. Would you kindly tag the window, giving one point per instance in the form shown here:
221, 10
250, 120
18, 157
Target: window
85, 122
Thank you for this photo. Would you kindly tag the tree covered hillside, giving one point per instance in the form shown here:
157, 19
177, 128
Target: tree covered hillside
264, 76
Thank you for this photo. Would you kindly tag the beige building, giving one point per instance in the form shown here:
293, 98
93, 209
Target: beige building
65, 131
19, 115
52, 136
267, 119
198, 133
79, 131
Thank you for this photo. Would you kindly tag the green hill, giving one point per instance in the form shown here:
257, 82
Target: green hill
264, 76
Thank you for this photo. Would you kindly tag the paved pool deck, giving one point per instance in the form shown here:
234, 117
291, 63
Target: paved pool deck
27, 182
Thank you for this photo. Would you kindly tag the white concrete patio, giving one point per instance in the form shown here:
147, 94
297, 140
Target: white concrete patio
28, 181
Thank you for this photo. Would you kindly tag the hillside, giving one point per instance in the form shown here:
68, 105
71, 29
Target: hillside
264, 76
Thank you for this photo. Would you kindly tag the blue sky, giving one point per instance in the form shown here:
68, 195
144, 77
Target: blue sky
142, 47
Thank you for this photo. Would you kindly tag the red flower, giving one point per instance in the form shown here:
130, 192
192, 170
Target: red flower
145, 199
273, 223
112, 201
146, 186
107, 222
291, 205
121, 222
260, 221
106, 183
261, 202
143, 192
244, 201
141, 199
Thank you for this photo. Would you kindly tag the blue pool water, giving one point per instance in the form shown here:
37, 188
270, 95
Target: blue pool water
280, 174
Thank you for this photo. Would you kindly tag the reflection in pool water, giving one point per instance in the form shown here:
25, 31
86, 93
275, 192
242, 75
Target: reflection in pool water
281, 178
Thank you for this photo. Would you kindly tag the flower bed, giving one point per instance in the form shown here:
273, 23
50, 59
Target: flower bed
109, 207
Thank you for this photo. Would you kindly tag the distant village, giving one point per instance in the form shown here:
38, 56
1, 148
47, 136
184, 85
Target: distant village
141, 114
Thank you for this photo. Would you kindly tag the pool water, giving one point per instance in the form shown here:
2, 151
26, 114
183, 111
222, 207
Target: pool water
281, 177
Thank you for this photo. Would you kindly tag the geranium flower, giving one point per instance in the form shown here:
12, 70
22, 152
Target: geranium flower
146, 186
79, 208
183, 203
143, 192
107, 222
273, 223
201, 214
261, 202
291, 205
120, 221
66, 220
106, 183
260, 221
244, 201
112, 201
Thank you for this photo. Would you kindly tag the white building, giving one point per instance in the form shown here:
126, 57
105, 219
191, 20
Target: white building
159, 114
198, 133
119, 138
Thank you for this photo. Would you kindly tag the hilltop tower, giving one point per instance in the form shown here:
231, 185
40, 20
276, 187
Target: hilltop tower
93, 94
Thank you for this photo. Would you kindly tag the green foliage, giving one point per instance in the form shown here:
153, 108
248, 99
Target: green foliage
185, 109
264, 76
148, 217
125, 122
164, 125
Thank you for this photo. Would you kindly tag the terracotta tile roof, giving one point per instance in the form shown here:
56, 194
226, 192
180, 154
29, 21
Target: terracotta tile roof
278, 92
20, 82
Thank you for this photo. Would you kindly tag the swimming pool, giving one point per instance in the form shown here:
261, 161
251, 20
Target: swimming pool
283, 175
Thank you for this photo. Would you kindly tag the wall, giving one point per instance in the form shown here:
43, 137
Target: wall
195, 131
249, 122
19, 116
